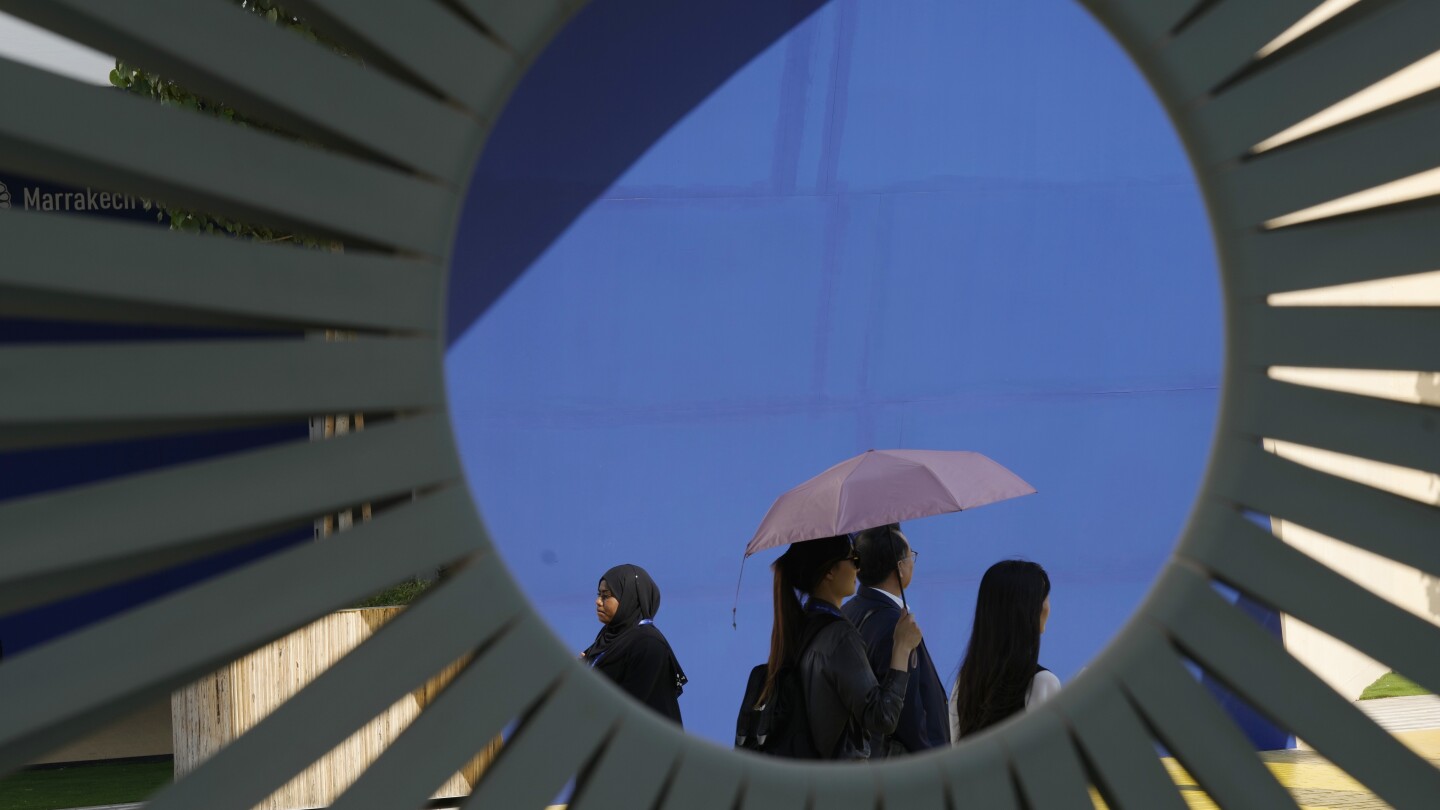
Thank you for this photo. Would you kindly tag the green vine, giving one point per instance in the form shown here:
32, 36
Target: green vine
168, 93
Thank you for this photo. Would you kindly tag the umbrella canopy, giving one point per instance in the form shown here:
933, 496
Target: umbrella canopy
885, 486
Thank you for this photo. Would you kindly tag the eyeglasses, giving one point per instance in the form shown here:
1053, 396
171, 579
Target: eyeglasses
603, 595
912, 555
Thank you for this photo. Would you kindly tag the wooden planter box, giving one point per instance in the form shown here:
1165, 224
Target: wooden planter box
210, 713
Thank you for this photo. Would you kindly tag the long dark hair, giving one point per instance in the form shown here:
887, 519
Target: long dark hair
1004, 651
797, 571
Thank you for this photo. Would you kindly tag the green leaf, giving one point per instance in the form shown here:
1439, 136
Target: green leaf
272, 15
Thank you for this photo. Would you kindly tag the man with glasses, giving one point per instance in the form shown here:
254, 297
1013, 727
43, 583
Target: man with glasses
887, 564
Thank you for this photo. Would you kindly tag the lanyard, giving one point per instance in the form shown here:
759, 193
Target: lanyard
596, 659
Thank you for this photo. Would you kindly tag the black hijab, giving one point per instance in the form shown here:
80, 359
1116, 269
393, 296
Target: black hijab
639, 599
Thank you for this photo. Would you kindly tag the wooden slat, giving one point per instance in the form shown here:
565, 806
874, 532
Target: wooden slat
979, 775
129, 271
1393, 432
1390, 145
1389, 525
705, 779
1116, 743
1047, 765
299, 87
402, 654
502, 681
58, 544
553, 744
1245, 556
1402, 339
94, 675
116, 383
614, 781
1193, 726
522, 24
1254, 664
1223, 40
1377, 244
1317, 76
452, 57
83, 136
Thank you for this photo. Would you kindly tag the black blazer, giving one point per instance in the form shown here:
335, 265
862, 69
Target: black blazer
925, 719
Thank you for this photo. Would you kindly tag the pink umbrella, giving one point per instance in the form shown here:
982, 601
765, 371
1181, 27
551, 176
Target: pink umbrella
881, 487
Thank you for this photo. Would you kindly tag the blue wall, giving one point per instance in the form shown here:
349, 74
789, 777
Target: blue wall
925, 224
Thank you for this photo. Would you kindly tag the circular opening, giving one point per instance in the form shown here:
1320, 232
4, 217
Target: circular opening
891, 228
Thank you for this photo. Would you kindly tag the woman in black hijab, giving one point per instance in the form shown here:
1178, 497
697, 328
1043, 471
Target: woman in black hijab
629, 649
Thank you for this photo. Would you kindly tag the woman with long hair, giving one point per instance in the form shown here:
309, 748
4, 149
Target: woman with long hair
844, 703
629, 649
1001, 673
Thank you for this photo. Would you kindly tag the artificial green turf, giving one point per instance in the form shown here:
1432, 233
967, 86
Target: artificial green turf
1392, 685
83, 785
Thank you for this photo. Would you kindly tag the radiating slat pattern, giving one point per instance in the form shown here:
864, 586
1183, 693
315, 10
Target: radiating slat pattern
552, 743
74, 540
1246, 556
1317, 77
1193, 726
255, 379
1117, 745
95, 674
209, 49
1254, 664
73, 133
115, 268
454, 59
425, 637
386, 186
463, 719
613, 779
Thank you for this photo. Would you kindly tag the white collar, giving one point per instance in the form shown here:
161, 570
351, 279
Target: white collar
893, 597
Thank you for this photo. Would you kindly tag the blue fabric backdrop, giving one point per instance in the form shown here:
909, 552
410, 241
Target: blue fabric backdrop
923, 224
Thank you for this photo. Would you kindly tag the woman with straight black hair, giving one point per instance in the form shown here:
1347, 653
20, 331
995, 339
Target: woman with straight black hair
630, 650
1001, 673
844, 703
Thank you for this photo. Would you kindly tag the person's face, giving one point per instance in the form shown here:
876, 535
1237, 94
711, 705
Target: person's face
606, 605
905, 567
842, 574
1044, 613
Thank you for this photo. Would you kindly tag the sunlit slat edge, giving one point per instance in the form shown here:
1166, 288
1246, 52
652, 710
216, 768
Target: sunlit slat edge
1381, 243
1189, 721
1393, 432
1247, 556
1380, 522
1396, 143
1254, 664
1323, 73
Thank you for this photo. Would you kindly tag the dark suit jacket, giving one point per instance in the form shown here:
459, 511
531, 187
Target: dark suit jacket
925, 720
